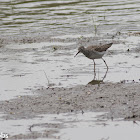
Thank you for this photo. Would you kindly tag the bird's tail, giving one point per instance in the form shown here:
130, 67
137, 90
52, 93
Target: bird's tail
110, 44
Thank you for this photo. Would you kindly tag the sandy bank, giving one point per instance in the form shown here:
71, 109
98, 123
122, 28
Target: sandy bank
119, 100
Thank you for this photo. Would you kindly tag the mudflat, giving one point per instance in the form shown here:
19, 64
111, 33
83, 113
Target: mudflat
119, 100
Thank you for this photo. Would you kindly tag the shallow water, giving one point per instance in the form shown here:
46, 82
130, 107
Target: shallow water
91, 125
39, 41
66, 17
25, 67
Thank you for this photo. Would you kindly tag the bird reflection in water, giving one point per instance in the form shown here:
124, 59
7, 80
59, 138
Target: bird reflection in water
98, 81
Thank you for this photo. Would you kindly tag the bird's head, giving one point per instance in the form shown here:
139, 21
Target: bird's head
80, 49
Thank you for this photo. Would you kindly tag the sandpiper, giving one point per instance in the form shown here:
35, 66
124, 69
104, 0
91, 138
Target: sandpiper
95, 52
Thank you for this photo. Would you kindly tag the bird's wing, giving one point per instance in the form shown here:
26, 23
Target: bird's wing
99, 48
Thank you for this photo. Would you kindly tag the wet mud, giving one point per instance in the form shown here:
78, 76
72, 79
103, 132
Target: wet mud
45, 90
119, 100
39, 89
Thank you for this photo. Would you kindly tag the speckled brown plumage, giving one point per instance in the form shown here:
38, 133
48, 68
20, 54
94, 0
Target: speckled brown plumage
99, 48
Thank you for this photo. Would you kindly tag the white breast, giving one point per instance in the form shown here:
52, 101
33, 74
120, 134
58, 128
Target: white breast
96, 55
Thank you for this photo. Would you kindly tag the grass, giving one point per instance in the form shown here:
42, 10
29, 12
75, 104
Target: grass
46, 78
96, 25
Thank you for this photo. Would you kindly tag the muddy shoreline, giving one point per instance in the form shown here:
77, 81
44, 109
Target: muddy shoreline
38, 42
119, 100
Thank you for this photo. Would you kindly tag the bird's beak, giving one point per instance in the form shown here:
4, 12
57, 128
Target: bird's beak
77, 53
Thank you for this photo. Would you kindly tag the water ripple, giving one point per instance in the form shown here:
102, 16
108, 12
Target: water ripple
44, 15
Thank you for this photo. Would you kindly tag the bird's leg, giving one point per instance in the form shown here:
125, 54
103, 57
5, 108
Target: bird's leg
105, 75
105, 63
94, 66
